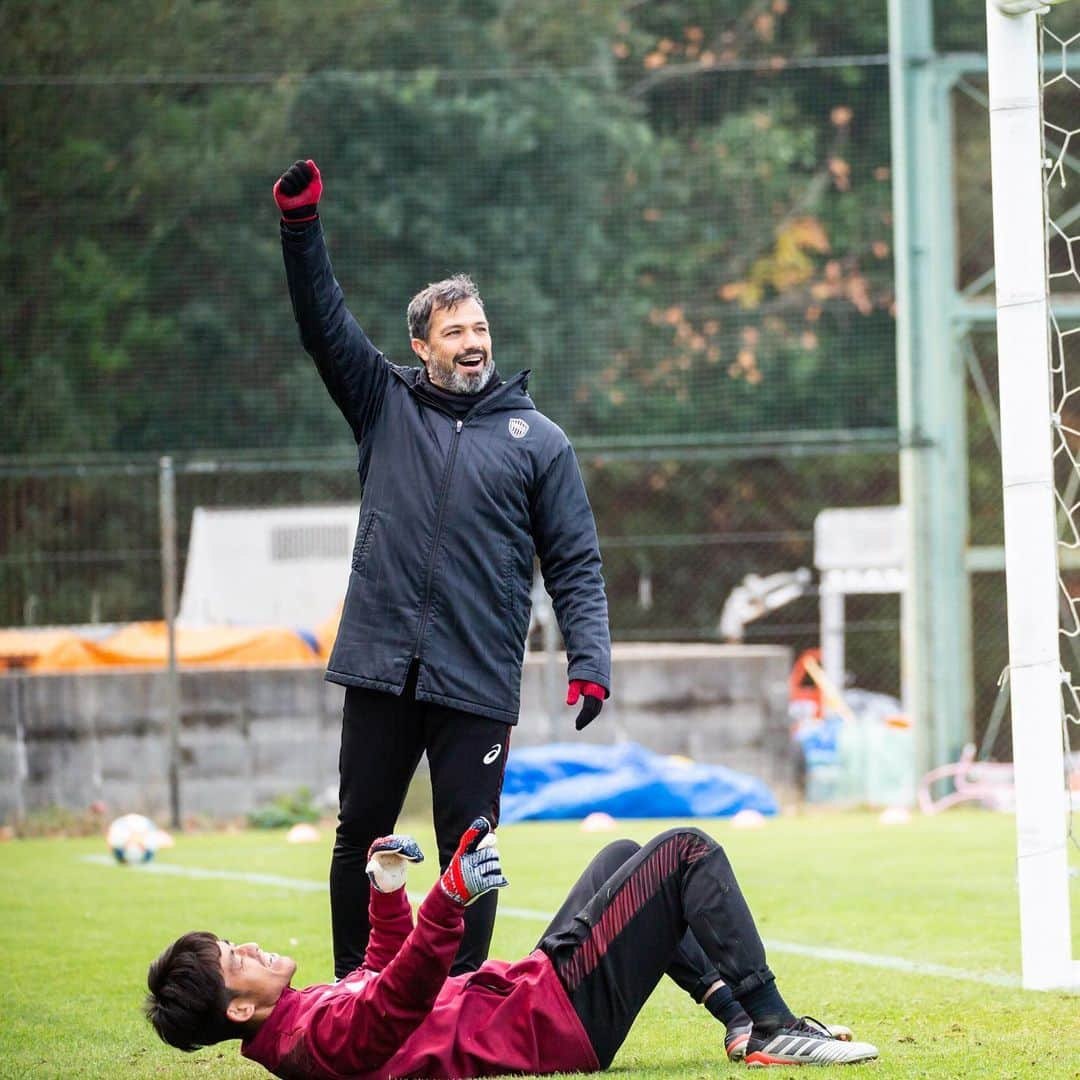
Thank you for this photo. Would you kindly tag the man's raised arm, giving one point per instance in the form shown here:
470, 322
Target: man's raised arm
354, 371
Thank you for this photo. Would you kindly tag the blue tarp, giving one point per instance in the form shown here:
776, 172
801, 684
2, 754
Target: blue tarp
571, 780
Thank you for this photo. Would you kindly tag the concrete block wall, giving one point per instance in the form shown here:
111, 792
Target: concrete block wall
250, 734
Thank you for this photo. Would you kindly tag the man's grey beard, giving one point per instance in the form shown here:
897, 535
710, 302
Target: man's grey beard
459, 383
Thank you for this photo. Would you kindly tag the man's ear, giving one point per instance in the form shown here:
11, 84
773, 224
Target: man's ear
240, 1010
421, 348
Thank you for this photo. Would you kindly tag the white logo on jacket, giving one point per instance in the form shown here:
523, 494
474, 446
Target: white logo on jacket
518, 428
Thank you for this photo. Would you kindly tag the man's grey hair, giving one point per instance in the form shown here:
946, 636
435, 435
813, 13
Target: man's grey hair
447, 293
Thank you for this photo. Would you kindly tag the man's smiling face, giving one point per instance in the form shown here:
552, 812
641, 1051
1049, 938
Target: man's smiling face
458, 352
256, 978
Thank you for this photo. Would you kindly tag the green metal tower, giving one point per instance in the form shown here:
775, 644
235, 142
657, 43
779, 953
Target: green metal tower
937, 643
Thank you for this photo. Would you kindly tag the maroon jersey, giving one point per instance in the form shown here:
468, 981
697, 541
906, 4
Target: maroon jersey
400, 1014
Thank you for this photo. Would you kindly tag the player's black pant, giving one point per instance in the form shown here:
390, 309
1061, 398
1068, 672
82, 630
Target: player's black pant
382, 738
637, 913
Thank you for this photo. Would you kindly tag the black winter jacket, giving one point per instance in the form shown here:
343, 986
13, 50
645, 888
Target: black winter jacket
452, 513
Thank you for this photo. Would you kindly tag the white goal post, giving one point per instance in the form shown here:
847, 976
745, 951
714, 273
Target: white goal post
1027, 435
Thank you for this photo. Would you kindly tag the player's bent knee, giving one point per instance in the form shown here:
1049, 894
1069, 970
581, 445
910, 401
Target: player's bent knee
622, 848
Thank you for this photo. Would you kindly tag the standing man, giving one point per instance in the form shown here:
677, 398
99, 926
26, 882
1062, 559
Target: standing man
463, 483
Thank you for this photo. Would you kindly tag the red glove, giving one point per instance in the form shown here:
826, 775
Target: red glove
474, 869
298, 191
591, 704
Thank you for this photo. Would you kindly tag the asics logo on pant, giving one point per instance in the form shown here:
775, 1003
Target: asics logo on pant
493, 753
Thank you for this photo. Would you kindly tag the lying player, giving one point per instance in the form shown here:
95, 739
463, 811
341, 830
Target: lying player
566, 1007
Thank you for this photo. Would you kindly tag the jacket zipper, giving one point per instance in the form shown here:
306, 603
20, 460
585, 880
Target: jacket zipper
435, 542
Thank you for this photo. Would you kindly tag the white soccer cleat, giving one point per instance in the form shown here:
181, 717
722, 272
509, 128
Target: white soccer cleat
806, 1042
738, 1035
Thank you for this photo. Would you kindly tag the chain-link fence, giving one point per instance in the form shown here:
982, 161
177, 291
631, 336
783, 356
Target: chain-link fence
723, 278
677, 535
701, 282
697, 270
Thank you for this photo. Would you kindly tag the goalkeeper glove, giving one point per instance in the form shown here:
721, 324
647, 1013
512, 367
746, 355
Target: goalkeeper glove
474, 869
591, 703
388, 861
298, 191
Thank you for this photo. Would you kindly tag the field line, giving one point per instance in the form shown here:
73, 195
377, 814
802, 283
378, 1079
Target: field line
892, 963
816, 952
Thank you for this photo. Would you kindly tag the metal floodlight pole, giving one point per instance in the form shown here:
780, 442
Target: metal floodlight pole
937, 666
1016, 151
167, 508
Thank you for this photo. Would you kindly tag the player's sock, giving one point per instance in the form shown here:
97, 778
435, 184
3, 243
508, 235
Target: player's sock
737, 1025
767, 1008
726, 1009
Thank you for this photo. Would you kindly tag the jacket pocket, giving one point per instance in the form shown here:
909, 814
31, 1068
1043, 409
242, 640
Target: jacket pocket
365, 536
515, 592
508, 579
491, 982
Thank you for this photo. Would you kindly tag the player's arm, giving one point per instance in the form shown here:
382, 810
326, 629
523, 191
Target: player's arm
394, 1004
566, 542
354, 371
359, 1032
389, 912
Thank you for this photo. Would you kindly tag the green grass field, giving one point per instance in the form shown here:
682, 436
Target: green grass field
76, 937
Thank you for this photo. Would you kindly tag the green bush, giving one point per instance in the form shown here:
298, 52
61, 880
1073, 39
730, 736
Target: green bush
285, 811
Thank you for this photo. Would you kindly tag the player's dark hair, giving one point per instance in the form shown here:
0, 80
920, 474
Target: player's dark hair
188, 996
447, 293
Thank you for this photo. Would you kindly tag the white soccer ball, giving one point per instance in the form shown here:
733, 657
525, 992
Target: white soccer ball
133, 839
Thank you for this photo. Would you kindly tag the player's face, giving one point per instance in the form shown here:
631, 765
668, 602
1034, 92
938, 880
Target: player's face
458, 351
257, 977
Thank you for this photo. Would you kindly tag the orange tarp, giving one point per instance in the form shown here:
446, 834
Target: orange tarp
20, 648
146, 644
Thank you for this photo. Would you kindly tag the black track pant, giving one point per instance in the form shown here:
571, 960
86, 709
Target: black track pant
382, 739
637, 913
